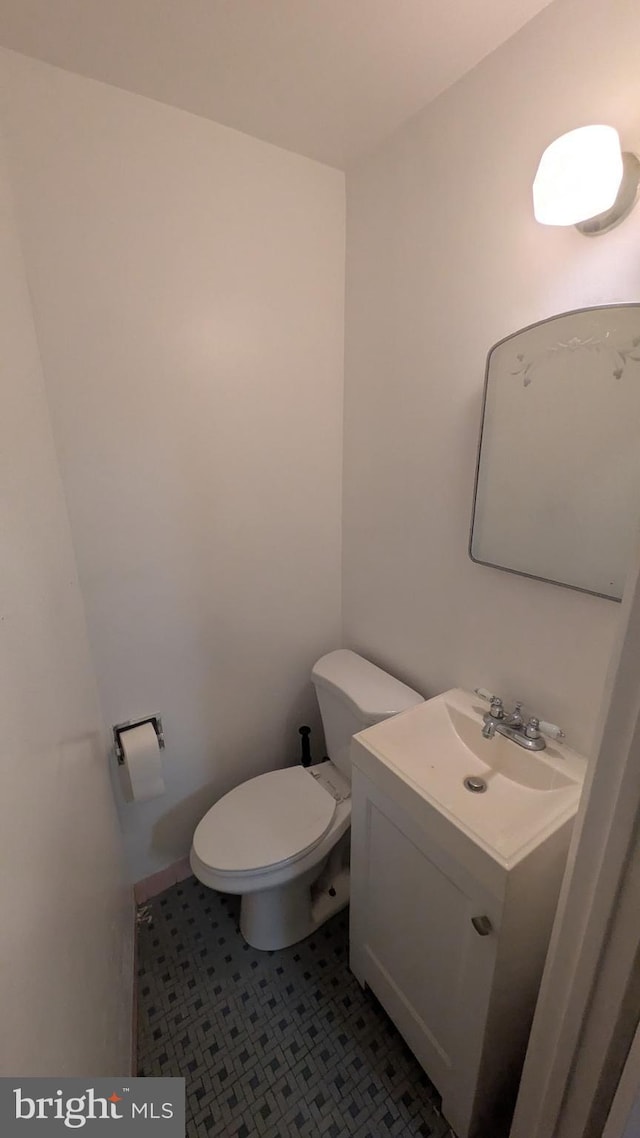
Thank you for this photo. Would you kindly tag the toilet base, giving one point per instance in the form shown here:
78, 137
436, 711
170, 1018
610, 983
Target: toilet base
277, 918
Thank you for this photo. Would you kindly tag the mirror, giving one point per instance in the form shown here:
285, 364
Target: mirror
557, 493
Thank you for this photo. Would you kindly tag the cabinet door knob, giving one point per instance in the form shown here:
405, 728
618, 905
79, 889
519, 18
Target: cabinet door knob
482, 925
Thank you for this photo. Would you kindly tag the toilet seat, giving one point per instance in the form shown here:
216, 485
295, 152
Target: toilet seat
268, 821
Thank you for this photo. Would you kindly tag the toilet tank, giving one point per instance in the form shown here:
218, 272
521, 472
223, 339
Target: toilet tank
354, 694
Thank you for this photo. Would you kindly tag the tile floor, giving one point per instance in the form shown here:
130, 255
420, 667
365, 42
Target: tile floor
272, 1044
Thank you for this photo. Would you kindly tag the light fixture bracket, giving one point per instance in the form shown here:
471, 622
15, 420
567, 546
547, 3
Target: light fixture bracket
622, 206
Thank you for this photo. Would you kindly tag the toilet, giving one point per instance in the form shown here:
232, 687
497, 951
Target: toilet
281, 840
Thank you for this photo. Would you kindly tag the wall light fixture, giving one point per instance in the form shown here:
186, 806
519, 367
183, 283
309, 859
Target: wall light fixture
584, 179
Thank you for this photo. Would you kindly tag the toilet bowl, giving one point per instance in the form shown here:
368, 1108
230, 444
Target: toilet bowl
269, 840
281, 840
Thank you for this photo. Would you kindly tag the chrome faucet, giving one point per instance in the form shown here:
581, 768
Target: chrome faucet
512, 725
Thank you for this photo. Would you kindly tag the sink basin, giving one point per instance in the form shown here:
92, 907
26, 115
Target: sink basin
501, 756
435, 746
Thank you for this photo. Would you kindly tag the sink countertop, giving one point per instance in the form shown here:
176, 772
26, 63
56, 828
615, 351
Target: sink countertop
432, 747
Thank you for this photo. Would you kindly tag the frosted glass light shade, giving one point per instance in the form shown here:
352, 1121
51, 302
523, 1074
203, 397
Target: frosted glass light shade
579, 176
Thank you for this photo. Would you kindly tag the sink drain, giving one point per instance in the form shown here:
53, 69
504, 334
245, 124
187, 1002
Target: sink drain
476, 785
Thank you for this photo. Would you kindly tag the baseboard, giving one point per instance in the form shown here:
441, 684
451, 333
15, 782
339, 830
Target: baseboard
157, 883
143, 891
134, 1002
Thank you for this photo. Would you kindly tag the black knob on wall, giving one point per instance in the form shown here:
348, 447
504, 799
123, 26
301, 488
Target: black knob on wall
305, 756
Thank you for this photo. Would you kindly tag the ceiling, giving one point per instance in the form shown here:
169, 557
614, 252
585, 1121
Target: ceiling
326, 78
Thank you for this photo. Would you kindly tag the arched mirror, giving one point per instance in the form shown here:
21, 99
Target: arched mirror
557, 492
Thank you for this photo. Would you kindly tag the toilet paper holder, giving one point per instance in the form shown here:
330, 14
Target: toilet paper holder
154, 720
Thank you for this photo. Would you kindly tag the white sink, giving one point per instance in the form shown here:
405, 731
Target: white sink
436, 745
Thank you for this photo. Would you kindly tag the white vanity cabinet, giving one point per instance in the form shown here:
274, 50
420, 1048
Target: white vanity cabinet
449, 937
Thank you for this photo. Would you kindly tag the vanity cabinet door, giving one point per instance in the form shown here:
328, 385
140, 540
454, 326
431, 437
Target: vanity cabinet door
414, 942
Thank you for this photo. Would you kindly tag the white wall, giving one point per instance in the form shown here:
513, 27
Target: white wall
443, 259
66, 968
188, 285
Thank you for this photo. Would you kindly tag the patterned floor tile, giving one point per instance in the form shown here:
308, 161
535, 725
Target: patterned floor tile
272, 1044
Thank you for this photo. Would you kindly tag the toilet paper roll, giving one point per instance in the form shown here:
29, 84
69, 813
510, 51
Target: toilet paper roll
143, 761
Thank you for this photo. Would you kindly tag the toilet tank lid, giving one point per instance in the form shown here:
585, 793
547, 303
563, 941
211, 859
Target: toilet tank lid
372, 693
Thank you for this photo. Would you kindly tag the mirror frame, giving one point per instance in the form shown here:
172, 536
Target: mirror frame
499, 343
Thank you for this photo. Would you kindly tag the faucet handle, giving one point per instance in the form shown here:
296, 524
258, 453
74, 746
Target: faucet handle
496, 711
551, 730
484, 694
497, 705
